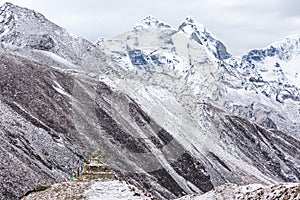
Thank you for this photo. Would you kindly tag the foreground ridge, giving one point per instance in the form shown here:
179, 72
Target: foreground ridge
256, 192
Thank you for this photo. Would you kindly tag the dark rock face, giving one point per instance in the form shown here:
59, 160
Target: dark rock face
260, 55
140, 147
137, 58
189, 167
268, 123
43, 42
266, 148
119, 136
222, 53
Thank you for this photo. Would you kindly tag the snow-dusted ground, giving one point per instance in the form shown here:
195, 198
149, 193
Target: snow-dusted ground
91, 190
112, 190
255, 192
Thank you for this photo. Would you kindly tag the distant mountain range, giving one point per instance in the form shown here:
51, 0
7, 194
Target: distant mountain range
173, 111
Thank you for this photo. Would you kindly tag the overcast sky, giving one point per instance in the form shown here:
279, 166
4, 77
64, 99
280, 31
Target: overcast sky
239, 24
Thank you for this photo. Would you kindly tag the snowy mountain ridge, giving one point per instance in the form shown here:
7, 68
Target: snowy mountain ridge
200, 34
277, 62
151, 22
283, 49
274, 73
26, 33
191, 29
229, 83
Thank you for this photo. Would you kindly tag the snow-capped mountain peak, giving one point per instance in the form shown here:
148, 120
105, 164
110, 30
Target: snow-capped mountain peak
294, 38
199, 33
24, 28
7, 12
151, 22
7, 5
283, 50
189, 18
277, 62
189, 26
15, 20
10, 11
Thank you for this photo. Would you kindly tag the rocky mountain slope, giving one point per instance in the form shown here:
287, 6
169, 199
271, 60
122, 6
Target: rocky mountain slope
170, 108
